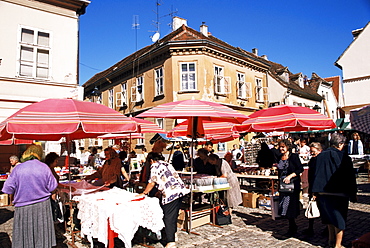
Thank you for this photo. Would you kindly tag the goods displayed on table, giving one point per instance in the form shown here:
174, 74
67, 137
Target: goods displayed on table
257, 171
119, 211
204, 182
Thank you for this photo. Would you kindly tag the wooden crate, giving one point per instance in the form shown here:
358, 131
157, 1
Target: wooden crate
200, 215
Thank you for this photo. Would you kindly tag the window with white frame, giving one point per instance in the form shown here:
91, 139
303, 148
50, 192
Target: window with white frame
259, 90
121, 97
188, 76
34, 56
137, 92
243, 87
159, 82
219, 80
111, 98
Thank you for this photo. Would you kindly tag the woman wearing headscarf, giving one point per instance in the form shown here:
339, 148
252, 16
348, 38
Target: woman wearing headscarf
335, 185
289, 169
32, 182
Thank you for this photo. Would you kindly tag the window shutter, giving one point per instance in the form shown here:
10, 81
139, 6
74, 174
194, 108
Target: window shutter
266, 93
248, 89
133, 94
227, 85
119, 102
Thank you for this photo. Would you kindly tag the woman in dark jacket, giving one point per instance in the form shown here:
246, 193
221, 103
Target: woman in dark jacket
335, 185
289, 169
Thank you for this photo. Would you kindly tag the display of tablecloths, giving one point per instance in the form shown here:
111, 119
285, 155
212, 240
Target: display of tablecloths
124, 211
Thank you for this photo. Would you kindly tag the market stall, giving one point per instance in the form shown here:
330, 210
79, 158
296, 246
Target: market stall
108, 213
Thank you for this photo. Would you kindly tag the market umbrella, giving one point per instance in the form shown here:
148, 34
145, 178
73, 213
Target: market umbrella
16, 142
285, 118
124, 136
217, 138
196, 111
360, 119
52, 119
209, 127
146, 126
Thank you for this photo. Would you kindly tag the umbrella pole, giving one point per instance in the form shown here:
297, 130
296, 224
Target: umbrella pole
69, 166
193, 136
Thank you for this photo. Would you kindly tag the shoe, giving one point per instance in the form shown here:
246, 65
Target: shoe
171, 245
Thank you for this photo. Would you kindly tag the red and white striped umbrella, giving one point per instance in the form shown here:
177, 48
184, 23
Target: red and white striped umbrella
210, 127
16, 142
146, 126
52, 119
124, 136
285, 118
196, 111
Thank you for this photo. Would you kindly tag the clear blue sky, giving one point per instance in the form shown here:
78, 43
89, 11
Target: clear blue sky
305, 35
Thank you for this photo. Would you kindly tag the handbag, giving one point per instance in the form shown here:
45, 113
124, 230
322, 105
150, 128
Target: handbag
312, 210
286, 187
223, 216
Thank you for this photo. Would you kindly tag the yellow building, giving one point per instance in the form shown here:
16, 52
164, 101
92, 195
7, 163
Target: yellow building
185, 64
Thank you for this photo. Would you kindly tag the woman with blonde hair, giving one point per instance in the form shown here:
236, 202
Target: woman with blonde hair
32, 182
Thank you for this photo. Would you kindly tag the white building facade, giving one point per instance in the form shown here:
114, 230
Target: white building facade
355, 65
38, 52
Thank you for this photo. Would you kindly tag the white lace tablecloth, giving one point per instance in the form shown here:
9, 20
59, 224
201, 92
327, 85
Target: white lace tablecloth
125, 216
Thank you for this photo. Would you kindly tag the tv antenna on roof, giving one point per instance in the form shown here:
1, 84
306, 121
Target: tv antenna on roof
136, 26
156, 35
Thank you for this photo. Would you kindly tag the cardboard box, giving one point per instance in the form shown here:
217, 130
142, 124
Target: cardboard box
264, 202
4, 200
250, 200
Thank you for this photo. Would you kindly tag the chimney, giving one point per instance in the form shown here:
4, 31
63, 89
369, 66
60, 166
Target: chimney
204, 29
255, 51
264, 57
357, 32
177, 22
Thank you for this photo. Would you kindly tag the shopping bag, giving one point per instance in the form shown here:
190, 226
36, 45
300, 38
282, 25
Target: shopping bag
312, 210
223, 216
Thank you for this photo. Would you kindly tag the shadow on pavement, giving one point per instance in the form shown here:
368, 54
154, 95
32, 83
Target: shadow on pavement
5, 240
5, 215
357, 224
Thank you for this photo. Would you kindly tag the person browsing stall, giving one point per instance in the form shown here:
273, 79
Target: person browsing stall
202, 165
315, 149
289, 169
32, 182
233, 195
14, 161
228, 157
209, 147
334, 185
165, 178
110, 174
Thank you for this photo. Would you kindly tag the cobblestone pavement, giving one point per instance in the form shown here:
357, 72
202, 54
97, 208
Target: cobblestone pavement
251, 227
